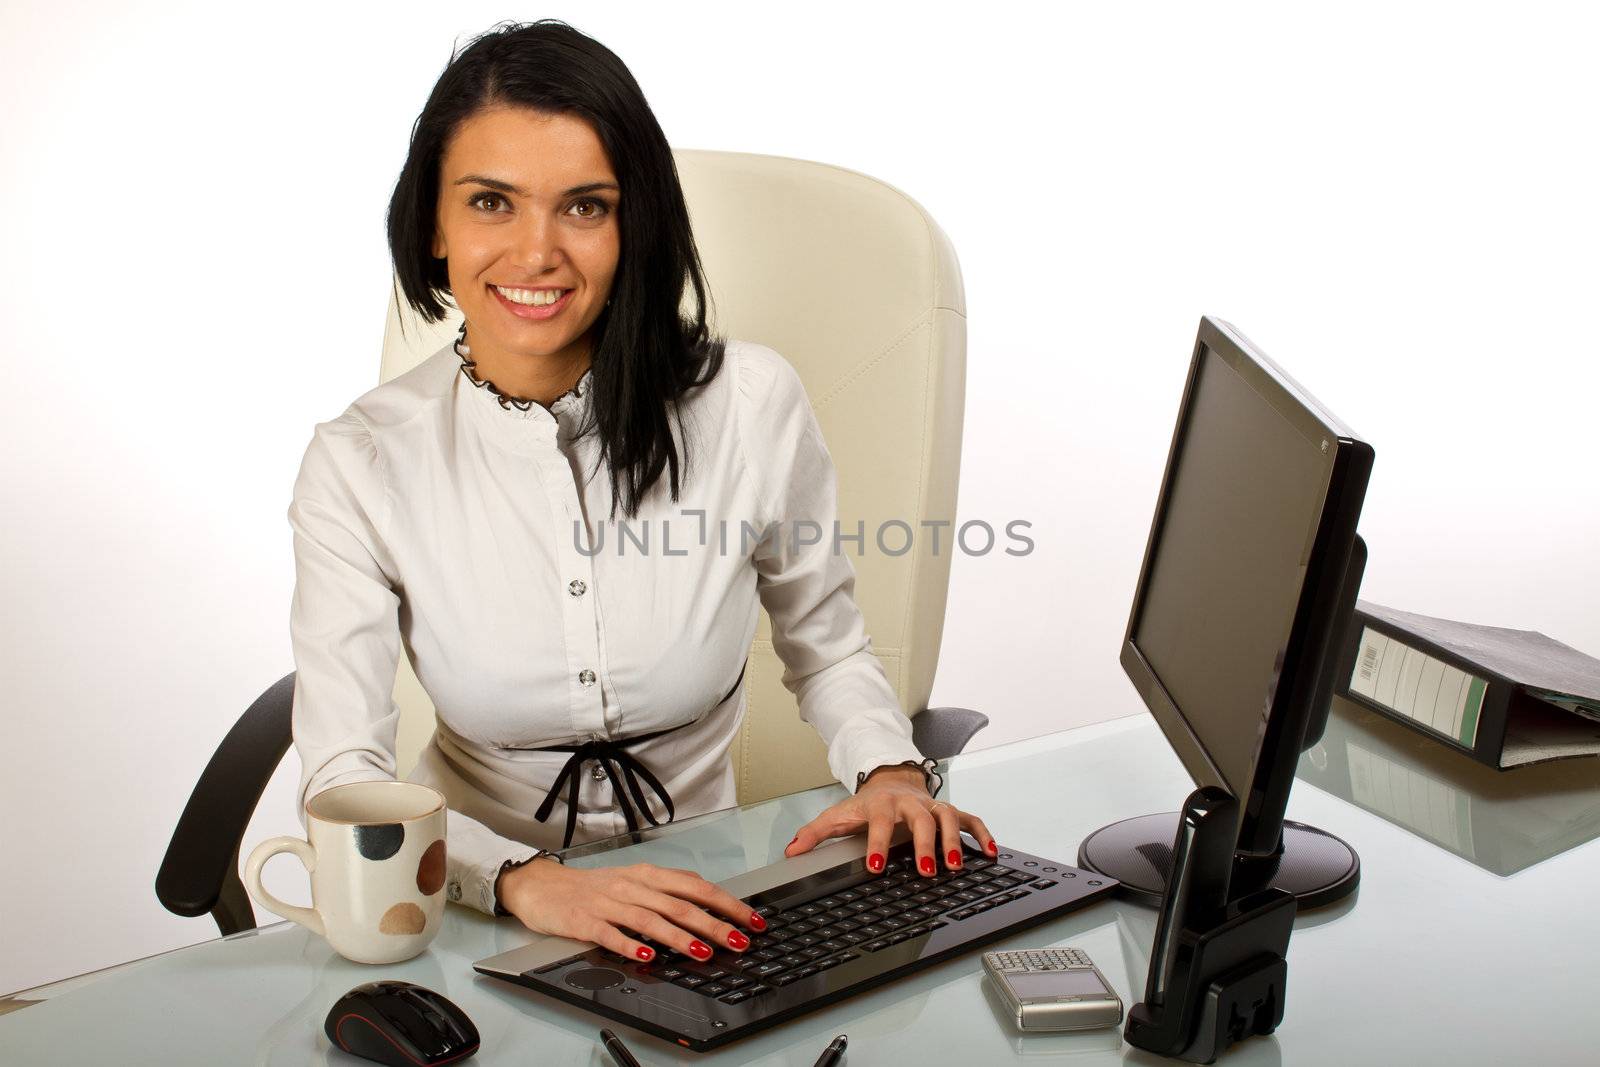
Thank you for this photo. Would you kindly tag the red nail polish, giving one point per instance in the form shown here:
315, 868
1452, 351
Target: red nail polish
699, 950
757, 922
925, 864
646, 953
738, 941
953, 857
875, 862
992, 848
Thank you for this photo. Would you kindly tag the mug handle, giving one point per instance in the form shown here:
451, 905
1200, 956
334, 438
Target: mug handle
306, 917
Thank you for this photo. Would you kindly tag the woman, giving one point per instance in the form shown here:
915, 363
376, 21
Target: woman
457, 510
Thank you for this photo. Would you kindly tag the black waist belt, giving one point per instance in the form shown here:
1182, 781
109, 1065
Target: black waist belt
621, 768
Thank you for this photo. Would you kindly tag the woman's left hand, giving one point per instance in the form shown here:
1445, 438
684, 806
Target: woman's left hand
892, 795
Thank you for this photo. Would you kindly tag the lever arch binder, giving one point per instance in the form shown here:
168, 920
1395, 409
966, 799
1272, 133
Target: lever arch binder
1505, 697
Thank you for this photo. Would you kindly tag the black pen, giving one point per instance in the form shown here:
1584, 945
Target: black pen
619, 1051
831, 1054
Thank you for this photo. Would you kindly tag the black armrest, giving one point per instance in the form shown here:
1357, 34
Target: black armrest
940, 733
200, 872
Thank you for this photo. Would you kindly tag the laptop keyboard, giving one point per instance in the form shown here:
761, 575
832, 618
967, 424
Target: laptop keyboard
867, 915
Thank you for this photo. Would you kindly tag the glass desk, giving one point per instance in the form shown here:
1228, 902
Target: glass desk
1471, 940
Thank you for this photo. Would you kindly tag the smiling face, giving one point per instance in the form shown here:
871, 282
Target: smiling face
527, 214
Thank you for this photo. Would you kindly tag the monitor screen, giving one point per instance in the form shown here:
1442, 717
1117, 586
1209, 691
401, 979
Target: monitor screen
1228, 560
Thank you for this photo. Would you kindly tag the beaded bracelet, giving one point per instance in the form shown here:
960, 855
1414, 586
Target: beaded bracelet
931, 779
511, 865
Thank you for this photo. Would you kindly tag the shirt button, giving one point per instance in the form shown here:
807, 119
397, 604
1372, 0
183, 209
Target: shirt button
586, 678
597, 773
576, 587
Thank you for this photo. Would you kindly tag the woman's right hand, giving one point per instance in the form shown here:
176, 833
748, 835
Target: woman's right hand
666, 904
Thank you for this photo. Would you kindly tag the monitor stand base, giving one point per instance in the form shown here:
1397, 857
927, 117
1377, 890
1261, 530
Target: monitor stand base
1316, 867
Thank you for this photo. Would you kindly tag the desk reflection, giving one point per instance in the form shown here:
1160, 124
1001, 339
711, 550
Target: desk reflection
1501, 821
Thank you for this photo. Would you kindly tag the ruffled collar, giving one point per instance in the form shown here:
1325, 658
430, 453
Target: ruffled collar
519, 406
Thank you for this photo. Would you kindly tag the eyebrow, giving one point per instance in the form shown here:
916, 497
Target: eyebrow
506, 187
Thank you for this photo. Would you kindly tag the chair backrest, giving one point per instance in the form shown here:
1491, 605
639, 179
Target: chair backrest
853, 283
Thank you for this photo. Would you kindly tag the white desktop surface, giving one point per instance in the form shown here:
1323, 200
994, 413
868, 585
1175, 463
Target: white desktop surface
1436, 960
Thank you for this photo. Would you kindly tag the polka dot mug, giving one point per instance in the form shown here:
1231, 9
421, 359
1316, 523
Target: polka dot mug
376, 858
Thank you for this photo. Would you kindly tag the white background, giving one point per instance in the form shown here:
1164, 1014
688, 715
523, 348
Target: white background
1395, 202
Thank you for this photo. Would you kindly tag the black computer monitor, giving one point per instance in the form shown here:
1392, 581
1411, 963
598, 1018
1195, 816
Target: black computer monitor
1245, 595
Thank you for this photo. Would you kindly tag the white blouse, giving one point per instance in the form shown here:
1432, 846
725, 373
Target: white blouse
477, 536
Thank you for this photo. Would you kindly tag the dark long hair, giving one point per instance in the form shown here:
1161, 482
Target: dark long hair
646, 353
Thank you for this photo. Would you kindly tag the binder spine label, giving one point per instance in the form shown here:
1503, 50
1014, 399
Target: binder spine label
1429, 691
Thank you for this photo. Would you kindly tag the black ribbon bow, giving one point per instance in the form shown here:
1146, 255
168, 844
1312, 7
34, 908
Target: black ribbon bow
621, 768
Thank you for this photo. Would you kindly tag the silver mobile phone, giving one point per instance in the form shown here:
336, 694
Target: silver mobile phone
1054, 989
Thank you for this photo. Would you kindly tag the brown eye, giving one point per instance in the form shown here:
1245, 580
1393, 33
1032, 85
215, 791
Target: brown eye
478, 199
598, 208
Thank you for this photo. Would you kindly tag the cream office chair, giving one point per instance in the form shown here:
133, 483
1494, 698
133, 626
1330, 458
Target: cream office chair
854, 284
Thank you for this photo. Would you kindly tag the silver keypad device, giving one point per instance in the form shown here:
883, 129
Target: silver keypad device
1053, 989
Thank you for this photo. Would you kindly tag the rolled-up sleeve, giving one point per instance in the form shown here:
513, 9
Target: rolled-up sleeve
809, 589
344, 625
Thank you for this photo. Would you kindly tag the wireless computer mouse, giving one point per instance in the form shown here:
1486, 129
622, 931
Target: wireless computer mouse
401, 1024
